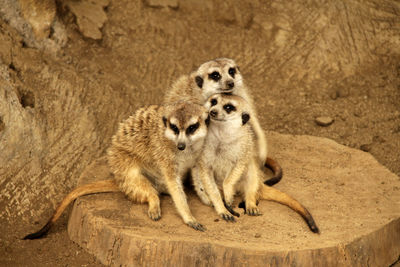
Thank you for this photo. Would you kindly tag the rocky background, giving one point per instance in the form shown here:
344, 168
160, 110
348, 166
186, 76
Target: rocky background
70, 70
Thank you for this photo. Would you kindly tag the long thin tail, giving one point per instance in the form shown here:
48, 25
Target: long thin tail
276, 170
270, 193
92, 188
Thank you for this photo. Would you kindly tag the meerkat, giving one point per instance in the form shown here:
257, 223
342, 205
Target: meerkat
229, 159
150, 154
222, 75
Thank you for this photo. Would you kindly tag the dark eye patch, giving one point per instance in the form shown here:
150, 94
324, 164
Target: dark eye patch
174, 128
232, 72
214, 76
192, 128
214, 102
229, 108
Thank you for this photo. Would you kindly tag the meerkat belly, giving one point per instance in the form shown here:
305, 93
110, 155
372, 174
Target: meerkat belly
224, 160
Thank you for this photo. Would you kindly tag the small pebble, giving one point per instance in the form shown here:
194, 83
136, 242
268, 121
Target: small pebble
324, 121
216, 220
257, 235
339, 91
334, 95
365, 147
343, 91
357, 113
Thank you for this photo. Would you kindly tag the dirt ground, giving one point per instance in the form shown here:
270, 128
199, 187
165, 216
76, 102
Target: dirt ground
62, 103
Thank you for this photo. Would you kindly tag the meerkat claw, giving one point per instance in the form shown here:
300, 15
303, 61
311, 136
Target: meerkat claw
155, 216
231, 210
228, 217
197, 226
253, 212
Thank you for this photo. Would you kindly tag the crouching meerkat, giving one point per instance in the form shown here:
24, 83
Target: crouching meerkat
222, 75
229, 161
150, 154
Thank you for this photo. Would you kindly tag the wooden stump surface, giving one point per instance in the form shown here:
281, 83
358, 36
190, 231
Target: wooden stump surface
354, 200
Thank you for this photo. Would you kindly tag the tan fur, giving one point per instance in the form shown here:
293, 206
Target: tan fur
145, 160
229, 161
185, 88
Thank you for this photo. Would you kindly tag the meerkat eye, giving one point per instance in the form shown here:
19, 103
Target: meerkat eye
214, 102
232, 72
215, 76
174, 128
229, 108
192, 128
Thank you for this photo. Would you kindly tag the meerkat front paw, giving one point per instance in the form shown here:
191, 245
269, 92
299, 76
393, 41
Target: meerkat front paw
154, 213
227, 217
196, 226
231, 210
253, 211
249, 209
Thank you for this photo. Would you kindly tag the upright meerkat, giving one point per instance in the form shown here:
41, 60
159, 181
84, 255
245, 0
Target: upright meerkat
229, 159
150, 154
222, 75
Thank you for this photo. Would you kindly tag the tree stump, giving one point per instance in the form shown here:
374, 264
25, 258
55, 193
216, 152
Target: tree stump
355, 202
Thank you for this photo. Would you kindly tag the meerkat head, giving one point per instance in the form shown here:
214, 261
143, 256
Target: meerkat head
220, 75
186, 124
228, 108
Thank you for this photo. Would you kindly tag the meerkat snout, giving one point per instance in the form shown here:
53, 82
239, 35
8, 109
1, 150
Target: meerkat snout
181, 146
230, 84
213, 113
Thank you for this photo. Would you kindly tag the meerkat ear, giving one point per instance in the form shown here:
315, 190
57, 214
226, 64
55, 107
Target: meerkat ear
199, 81
245, 118
164, 121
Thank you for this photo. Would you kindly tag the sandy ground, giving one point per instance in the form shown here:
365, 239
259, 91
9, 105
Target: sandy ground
301, 61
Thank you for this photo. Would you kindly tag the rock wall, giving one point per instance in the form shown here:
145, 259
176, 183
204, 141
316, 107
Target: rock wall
49, 132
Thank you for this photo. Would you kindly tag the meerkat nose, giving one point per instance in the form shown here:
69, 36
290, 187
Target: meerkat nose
213, 113
181, 146
230, 84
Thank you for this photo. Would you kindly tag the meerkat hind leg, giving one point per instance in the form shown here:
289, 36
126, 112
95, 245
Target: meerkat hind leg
251, 190
199, 187
139, 189
207, 180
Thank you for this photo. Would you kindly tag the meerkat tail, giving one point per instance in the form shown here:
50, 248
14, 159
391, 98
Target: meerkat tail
92, 188
276, 170
270, 193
